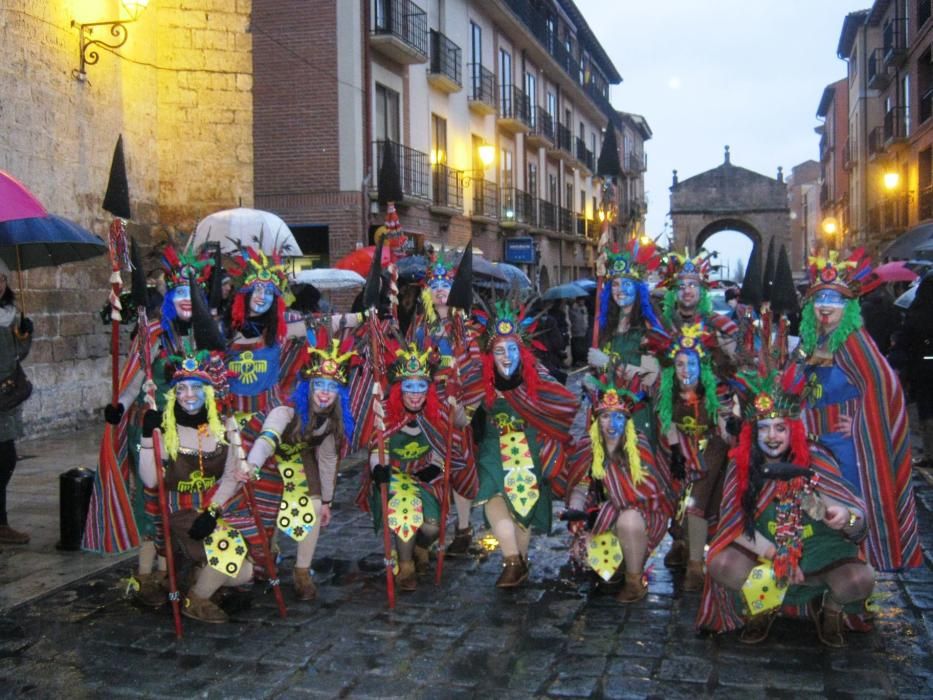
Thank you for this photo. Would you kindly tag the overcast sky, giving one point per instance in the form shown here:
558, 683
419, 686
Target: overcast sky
747, 73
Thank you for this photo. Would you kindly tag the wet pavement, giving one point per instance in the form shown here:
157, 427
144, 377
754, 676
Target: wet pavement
554, 638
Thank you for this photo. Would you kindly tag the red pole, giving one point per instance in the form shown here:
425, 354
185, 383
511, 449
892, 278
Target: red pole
117, 239
173, 596
266, 550
445, 503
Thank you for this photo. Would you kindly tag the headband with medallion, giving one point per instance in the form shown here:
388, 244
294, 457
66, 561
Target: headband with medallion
255, 267
611, 392
414, 363
179, 268
850, 276
441, 268
507, 319
635, 259
775, 394
680, 267
695, 338
328, 361
192, 366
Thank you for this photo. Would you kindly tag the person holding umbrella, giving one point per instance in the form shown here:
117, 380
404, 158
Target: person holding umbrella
15, 342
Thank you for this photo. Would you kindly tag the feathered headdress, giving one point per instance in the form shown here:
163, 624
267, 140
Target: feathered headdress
683, 266
634, 259
850, 277
412, 362
441, 269
251, 268
609, 392
326, 358
196, 366
179, 268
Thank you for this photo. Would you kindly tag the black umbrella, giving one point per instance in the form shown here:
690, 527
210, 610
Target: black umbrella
46, 241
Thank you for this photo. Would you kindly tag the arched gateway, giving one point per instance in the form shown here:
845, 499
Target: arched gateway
730, 198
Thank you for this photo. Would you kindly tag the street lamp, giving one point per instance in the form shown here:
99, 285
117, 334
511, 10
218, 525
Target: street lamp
87, 50
830, 226
487, 154
892, 180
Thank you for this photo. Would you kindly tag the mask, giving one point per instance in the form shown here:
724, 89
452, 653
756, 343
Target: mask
324, 392
612, 425
182, 301
507, 357
624, 291
688, 293
773, 437
189, 394
687, 369
261, 298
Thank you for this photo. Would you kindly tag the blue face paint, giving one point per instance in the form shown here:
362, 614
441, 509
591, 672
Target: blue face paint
507, 357
614, 424
829, 297
687, 367
323, 392
624, 291
415, 386
440, 283
189, 394
181, 299
261, 298
324, 384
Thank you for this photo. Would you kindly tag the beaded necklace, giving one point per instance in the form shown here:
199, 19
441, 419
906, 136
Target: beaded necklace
788, 537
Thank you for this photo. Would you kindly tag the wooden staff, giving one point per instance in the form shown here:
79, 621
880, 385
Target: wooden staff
117, 247
266, 550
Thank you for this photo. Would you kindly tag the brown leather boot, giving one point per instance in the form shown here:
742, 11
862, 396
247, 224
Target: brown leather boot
422, 556
676, 557
634, 590
460, 545
153, 589
407, 578
203, 610
514, 572
757, 628
830, 626
693, 580
304, 584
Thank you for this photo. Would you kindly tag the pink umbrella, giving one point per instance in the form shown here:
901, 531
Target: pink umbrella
895, 272
16, 202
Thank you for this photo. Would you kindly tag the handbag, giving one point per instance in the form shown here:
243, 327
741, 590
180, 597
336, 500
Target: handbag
14, 389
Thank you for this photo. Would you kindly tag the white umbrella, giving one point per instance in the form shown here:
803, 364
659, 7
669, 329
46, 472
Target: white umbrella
327, 278
258, 229
907, 298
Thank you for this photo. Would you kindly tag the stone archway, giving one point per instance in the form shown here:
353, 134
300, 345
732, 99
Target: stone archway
730, 198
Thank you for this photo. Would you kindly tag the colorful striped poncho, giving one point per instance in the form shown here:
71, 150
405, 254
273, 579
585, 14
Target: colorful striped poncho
882, 445
717, 605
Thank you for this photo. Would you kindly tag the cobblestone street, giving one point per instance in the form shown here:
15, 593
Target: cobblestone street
554, 638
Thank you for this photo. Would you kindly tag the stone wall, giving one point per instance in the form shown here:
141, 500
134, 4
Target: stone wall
180, 93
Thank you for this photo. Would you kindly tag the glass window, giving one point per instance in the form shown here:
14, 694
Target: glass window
387, 117
476, 38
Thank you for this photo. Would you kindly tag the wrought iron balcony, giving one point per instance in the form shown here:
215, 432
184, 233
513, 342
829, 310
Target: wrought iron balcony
444, 72
547, 216
581, 226
514, 109
482, 97
894, 41
564, 220
564, 139
542, 128
895, 125
448, 187
584, 156
878, 76
400, 31
485, 199
635, 163
518, 207
875, 142
414, 169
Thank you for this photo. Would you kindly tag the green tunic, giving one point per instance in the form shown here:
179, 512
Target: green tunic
408, 454
492, 474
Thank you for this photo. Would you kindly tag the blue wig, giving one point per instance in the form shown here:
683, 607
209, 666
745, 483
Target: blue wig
301, 399
643, 300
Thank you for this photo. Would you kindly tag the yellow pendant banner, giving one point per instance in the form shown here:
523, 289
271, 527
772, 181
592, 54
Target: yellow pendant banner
296, 511
225, 549
761, 591
521, 484
604, 554
406, 512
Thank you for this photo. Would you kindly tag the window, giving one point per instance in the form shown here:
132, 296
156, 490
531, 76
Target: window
532, 184
505, 81
905, 98
593, 142
387, 119
552, 188
438, 140
568, 195
505, 172
551, 104
476, 42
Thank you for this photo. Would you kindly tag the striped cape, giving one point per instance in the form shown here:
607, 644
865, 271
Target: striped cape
717, 605
882, 446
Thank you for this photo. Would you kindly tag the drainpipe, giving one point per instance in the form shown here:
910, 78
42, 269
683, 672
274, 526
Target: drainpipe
367, 121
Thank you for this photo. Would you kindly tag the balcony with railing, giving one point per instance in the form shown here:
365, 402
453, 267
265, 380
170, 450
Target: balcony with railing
875, 142
518, 208
564, 220
444, 69
895, 126
447, 189
584, 157
547, 215
894, 41
563, 143
482, 95
542, 128
400, 31
485, 200
414, 169
878, 77
514, 109
635, 163
581, 226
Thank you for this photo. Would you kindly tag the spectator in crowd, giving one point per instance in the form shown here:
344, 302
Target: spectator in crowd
578, 326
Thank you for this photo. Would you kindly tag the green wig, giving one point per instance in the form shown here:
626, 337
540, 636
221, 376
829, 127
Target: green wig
665, 407
851, 321
669, 304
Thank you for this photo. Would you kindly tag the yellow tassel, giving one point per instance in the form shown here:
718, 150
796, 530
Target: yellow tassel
598, 470
428, 302
169, 428
631, 449
213, 419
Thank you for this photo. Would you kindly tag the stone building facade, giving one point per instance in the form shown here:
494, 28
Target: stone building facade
180, 92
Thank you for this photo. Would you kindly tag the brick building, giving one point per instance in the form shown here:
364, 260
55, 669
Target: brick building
333, 81
834, 157
180, 91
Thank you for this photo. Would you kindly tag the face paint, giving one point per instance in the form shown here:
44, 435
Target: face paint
829, 305
687, 369
414, 393
624, 291
773, 437
507, 357
182, 301
688, 293
323, 392
440, 290
612, 425
189, 394
261, 298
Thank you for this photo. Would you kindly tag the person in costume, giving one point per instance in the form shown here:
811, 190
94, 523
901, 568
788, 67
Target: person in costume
416, 445
166, 337
459, 376
789, 524
620, 500
858, 408
201, 467
692, 447
522, 431
308, 437
625, 313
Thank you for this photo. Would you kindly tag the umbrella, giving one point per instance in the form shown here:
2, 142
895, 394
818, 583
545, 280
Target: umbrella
564, 291
586, 285
907, 244
895, 272
16, 202
243, 227
46, 241
413, 267
361, 259
907, 298
513, 276
328, 278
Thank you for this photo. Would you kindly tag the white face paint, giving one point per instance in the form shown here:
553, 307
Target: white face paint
189, 394
506, 356
773, 437
261, 298
687, 369
688, 293
323, 393
182, 301
440, 290
828, 306
624, 291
